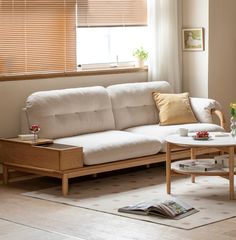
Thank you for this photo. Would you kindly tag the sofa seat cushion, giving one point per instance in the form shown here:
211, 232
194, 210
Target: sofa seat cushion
161, 132
110, 146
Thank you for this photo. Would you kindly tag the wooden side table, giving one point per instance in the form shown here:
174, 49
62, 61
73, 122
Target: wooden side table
42, 157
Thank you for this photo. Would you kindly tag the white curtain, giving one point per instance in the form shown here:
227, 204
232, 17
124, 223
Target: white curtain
165, 38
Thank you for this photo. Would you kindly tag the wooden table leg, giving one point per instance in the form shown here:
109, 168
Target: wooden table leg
65, 184
168, 167
231, 173
5, 174
193, 156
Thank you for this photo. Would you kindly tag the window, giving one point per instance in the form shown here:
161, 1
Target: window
108, 31
37, 36
109, 46
53, 36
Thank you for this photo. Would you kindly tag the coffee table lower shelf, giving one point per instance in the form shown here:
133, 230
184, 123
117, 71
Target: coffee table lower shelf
175, 168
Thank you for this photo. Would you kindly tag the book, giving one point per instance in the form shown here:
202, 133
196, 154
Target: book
222, 134
225, 160
172, 208
201, 165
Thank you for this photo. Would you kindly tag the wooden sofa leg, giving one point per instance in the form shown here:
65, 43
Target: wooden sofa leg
65, 184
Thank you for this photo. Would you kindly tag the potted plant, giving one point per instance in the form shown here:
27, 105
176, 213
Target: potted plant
141, 56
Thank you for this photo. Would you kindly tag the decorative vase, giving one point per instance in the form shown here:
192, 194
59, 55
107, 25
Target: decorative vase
35, 130
233, 126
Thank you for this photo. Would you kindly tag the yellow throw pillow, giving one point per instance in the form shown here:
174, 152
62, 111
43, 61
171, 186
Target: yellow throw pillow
174, 108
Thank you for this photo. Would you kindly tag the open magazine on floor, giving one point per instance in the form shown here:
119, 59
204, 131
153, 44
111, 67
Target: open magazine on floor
173, 208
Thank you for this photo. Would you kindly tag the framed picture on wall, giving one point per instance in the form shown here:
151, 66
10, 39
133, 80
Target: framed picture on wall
193, 39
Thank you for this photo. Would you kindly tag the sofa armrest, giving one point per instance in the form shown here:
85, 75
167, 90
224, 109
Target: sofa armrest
203, 107
220, 116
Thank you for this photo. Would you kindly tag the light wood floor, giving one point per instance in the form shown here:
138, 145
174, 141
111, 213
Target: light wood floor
25, 218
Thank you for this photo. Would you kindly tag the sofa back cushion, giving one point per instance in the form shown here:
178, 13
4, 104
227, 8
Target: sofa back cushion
133, 104
68, 112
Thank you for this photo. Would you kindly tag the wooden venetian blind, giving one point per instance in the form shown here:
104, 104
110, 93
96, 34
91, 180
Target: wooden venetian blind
37, 36
93, 13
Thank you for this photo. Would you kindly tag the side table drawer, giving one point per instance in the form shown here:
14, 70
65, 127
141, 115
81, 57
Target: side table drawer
70, 157
48, 156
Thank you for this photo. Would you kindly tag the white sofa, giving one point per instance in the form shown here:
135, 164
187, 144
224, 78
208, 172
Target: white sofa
117, 126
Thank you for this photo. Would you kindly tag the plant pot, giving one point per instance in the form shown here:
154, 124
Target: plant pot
139, 63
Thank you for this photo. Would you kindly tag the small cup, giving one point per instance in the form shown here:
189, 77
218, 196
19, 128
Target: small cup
183, 132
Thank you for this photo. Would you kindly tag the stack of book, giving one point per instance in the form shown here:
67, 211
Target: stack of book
225, 159
201, 165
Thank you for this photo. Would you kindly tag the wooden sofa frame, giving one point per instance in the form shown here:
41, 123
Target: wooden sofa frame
66, 174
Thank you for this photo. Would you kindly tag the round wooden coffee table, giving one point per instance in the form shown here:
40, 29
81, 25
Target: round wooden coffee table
222, 143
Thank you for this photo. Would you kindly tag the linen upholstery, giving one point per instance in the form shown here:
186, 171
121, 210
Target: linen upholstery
110, 146
91, 117
174, 108
69, 112
160, 132
202, 108
133, 104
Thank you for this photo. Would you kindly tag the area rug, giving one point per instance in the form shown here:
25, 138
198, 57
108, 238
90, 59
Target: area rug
209, 195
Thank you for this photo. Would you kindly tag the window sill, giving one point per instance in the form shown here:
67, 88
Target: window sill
89, 72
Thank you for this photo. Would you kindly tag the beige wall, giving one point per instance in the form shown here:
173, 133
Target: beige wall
222, 52
14, 93
195, 64
212, 73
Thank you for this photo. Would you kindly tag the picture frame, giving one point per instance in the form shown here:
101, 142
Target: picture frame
193, 39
